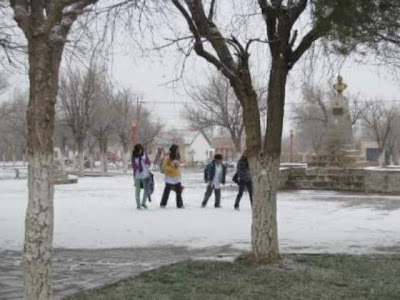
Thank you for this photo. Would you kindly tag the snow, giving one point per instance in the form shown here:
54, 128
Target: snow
100, 213
384, 169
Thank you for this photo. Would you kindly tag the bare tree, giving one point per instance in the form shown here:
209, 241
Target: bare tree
128, 107
11, 45
77, 94
103, 125
45, 25
230, 55
62, 138
148, 129
379, 121
13, 125
217, 106
124, 109
91, 146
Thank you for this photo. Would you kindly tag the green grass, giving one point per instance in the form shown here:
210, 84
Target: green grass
295, 277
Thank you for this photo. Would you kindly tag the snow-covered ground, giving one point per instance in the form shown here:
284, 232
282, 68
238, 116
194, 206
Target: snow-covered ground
101, 213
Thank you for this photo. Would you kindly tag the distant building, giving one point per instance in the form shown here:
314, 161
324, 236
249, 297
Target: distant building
225, 146
194, 144
371, 152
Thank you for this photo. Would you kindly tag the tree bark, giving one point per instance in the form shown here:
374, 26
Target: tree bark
264, 230
80, 160
265, 170
238, 144
44, 62
103, 154
125, 159
62, 160
104, 167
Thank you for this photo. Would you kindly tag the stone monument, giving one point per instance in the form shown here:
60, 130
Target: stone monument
339, 166
338, 148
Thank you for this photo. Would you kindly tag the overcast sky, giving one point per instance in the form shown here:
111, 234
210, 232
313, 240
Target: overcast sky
149, 75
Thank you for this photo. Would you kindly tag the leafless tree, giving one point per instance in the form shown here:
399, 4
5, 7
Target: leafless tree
11, 45
230, 54
103, 125
125, 113
148, 128
129, 107
45, 25
380, 120
216, 105
77, 95
62, 138
91, 143
13, 125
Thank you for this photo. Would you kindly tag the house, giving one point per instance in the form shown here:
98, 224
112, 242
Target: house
194, 144
225, 146
195, 147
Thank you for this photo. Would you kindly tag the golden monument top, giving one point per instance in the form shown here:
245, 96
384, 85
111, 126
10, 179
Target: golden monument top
340, 86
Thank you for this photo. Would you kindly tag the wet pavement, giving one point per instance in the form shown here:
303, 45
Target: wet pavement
77, 270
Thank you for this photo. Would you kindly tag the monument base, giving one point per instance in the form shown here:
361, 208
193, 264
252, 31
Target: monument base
365, 180
342, 158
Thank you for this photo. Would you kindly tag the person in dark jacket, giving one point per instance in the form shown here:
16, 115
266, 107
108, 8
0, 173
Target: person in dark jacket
244, 179
214, 176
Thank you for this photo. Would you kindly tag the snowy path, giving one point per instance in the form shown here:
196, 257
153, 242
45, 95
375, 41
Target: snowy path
100, 213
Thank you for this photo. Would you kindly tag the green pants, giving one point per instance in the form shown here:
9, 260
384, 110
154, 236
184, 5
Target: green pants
138, 182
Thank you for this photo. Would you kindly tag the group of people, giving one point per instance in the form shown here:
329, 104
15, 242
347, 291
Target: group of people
214, 176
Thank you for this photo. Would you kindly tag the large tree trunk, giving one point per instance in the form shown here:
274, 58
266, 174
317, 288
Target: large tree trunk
265, 171
44, 64
264, 231
80, 160
104, 167
103, 154
62, 160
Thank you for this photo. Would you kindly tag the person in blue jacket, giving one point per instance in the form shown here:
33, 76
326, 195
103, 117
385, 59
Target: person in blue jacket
214, 176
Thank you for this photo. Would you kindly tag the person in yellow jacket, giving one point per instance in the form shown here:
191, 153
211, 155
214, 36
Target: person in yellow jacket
172, 172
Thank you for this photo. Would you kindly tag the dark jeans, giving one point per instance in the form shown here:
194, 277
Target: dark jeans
178, 190
208, 193
242, 185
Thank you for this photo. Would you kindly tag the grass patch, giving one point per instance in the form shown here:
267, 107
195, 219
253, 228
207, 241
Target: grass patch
294, 277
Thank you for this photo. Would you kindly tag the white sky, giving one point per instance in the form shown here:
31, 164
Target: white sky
148, 75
